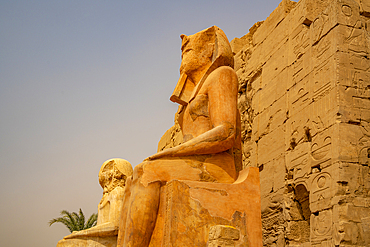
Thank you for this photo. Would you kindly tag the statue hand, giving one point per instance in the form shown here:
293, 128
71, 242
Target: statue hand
154, 156
165, 153
74, 234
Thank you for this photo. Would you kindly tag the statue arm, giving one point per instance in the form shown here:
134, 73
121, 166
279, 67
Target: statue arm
105, 229
222, 87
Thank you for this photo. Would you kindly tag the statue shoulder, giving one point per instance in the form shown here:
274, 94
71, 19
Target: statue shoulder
224, 73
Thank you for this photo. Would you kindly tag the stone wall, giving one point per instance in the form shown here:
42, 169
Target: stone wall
304, 98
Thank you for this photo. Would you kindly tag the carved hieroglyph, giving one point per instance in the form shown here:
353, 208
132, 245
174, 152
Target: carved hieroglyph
304, 76
112, 178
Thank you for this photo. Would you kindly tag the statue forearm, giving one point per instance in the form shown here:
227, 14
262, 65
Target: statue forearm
216, 140
106, 229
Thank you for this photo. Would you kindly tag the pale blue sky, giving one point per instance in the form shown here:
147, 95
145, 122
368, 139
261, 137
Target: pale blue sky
84, 81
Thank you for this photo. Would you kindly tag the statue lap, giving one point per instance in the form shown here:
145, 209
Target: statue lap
206, 168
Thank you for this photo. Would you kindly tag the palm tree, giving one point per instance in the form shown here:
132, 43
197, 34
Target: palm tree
74, 221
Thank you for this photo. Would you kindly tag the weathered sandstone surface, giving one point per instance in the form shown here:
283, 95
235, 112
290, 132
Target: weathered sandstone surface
304, 99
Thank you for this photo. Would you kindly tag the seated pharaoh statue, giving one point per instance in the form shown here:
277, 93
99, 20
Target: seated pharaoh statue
112, 178
210, 124
192, 192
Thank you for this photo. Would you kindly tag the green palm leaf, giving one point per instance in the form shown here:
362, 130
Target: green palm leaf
91, 221
75, 221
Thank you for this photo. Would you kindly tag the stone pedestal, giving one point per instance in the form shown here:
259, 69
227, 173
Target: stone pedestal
110, 241
189, 209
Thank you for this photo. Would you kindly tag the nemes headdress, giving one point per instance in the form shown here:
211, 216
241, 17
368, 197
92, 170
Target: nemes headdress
222, 56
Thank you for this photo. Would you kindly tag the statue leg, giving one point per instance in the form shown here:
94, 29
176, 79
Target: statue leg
141, 212
123, 217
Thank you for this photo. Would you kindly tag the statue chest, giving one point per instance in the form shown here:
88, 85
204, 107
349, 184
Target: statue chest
196, 117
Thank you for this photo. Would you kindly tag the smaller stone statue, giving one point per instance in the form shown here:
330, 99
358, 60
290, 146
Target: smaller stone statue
112, 178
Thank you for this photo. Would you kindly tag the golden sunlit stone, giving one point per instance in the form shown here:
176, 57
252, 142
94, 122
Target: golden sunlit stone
112, 177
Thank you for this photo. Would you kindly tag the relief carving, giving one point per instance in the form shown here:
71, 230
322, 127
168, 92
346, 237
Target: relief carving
323, 112
299, 97
323, 80
357, 39
321, 225
318, 27
364, 145
321, 192
321, 149
300, 44
299, 162
348, 12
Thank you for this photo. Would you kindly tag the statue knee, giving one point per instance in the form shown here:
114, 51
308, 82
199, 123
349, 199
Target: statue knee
138, 171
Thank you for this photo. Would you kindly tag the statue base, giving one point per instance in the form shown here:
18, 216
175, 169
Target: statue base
188, 210
110, 241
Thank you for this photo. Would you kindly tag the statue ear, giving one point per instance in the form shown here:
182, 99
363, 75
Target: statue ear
210, 49
184, 40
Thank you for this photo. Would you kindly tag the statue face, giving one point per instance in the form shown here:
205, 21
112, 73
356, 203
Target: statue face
106, 178
196, 53
113, 173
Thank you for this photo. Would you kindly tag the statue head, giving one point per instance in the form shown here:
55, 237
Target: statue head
202, 53
113, 173
205, 48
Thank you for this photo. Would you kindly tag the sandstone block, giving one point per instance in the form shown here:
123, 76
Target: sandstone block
271, 145
351, 232
278, 39
250, 154
364, 7
349, 174
273, 20
346, 148
365, 223
350, 77
189, 209
270, 119
267, 175
271, 103
322, 148
321, 226
299, 45
275, 63
353, 61
279, 175
296, 129
323, 110
344, 12
306, 11
299, 96
239, 43
324, 79
347, 212
298, 231
323, 187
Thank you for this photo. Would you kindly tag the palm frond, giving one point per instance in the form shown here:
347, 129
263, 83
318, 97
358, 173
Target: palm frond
75, 221
63, 221
70, 217
80, 219
91, 221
